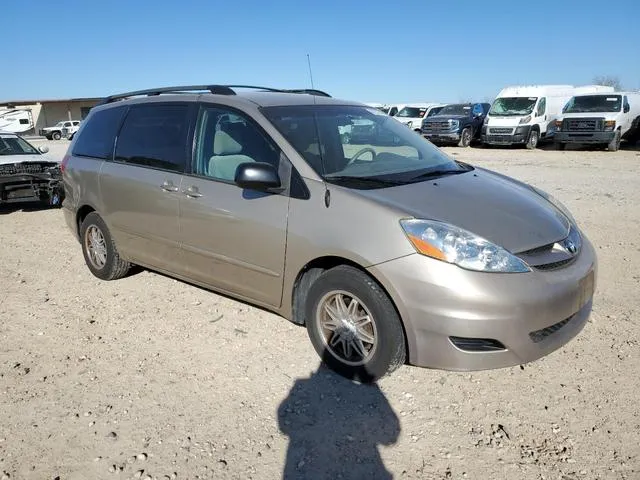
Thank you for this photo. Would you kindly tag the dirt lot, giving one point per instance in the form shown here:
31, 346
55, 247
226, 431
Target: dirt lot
148, 376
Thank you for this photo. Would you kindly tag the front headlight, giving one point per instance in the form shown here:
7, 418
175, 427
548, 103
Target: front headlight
410, 124
526, 119
455, 123
609, 125
451, 244
556, 203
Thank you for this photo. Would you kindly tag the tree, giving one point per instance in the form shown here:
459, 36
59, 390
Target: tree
608, 81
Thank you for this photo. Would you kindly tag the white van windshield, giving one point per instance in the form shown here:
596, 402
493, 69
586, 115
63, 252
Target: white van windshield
513, 106
594, 103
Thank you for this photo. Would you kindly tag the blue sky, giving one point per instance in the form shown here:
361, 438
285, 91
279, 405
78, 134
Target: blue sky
368, 51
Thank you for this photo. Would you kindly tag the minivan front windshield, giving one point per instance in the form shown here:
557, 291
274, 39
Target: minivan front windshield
360, 147
504, 106
594, 103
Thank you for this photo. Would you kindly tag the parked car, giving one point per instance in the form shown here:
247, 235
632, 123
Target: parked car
413, 114
526, 115
458, 123
601, 118
387, 254
27, 173
55, 132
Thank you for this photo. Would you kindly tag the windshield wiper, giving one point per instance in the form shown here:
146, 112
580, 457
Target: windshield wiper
438, 173
373, 181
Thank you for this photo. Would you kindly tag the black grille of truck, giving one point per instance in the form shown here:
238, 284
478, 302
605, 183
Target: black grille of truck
581, 124
436, 127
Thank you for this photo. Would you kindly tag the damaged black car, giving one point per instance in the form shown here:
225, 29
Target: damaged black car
27, 174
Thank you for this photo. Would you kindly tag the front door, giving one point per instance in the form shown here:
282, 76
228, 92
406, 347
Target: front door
233, 239
141, 187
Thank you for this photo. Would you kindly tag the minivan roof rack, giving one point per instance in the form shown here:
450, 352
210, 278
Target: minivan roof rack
214, 89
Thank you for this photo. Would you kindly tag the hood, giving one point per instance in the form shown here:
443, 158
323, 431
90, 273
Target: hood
9, 159
511, 121
444, 118
504, 211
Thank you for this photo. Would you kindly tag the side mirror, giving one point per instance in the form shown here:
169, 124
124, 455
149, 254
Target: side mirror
258, 176
43, 149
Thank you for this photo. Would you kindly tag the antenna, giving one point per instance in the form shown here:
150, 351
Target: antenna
310, 73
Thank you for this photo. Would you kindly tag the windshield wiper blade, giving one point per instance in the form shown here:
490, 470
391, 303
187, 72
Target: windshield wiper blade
368, 180
438, 173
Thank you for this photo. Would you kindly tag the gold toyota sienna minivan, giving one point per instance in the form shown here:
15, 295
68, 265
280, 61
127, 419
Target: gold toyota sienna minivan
334, 216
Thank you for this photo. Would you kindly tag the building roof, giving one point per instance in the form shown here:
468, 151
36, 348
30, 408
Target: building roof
8, 103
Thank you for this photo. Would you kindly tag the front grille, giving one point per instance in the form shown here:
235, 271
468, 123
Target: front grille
27, 167
539, 335
499, 138
477, 344
582, 124
501, 130
554, 265
436, 127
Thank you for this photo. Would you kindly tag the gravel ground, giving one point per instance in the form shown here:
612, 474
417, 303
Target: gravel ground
147, 377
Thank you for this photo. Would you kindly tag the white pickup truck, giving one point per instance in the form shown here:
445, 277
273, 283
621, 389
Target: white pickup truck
55, 132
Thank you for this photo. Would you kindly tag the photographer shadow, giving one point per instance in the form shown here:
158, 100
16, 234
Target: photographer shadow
334, 427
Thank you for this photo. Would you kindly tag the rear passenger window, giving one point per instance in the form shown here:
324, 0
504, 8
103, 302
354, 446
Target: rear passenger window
155, 136
97, 136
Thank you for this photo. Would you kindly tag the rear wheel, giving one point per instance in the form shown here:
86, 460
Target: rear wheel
465, 138
534, 137
353, 325
99, 250
614, 144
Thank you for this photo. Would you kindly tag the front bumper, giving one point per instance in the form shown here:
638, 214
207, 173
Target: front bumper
519, 135
529, 314
584, 137
442, 137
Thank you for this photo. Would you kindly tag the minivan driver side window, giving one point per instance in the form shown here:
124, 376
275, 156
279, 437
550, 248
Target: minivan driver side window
225, 139
155, 135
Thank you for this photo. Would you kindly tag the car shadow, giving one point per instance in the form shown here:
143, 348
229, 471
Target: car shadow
9, 208
335, 426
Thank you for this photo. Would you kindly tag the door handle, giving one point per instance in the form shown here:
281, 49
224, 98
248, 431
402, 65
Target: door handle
168, 186
192, 192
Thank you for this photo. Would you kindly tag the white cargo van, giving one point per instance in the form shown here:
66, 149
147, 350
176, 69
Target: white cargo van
413, 114
601, 118
527, 114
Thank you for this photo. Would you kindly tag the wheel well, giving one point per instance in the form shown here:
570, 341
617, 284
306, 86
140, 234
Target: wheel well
311, 271
536, 128
82, 214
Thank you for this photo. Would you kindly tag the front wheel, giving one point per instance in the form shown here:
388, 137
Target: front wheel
532, 142
99, 249
56, 135
614, 144
353, 325
465, 138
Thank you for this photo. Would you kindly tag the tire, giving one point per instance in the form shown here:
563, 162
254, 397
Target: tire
56, 135
532, 141
382, 356
561, 146
614, 144
465, 137
112, 267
